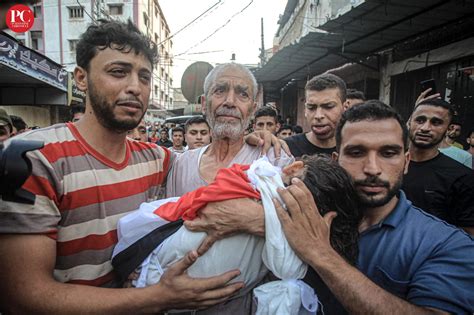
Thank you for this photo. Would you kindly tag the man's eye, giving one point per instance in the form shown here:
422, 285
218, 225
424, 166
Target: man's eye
354, 153
389, 154
145, 78
118, 72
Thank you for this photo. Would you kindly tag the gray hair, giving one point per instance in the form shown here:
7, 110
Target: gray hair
212, 76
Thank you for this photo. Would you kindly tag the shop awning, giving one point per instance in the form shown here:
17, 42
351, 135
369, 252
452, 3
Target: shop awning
371, 27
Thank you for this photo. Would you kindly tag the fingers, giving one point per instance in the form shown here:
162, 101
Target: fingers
285, 147
216, 296
282, 214
196, 225
183, 264
329, 217
253, 139
206, 244
268, 142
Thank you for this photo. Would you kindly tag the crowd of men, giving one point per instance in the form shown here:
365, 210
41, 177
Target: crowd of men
416, 249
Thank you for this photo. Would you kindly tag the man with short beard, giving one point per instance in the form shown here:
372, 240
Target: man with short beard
435, 182
230, 92
409, 262
325, 96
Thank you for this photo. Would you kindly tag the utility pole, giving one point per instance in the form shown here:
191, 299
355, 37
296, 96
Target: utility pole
262, 49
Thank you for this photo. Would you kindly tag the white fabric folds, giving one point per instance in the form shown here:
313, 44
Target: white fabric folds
253, 255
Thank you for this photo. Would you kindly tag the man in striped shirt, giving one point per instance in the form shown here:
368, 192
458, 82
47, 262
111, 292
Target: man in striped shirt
55, 254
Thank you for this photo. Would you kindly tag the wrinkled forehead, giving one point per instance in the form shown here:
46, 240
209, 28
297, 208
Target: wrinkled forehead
430, 111
233, 76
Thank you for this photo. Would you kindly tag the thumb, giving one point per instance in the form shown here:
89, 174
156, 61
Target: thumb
328, 217
184, 263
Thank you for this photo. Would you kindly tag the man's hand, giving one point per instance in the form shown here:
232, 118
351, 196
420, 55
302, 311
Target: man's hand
266, 140
225, 218
183, 292
303, 225
422, 97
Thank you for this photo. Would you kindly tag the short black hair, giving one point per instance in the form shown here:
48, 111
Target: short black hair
438, 103
333, 190
195, 120
121, 36
355, 94
18, 122
327, 81
266, 111
77, 108
285, 127
372, 110
177, 129
298, 129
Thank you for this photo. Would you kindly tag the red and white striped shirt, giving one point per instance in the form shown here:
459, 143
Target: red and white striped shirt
80, 196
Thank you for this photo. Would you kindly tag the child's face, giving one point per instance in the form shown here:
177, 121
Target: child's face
295, 169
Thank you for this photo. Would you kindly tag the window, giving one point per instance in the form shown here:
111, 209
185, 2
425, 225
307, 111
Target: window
162, 94
156, 11
73, 44
146, 20
36, 40
162, 72
76, 12
37, 11
166, 77
156, 90
156, 38
171, 82
115, 9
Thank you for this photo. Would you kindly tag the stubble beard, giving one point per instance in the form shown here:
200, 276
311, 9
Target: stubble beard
104, 112
227, 129
373, 202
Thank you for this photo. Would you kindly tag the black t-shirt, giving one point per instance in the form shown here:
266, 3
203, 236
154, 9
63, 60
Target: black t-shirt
300, 145
443, 187
328, 302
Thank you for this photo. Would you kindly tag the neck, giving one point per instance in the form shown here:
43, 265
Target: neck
471, 149
445, 143
375, 215
422, 154
449, 141
322, 143
225, 149
177, 148
107, 142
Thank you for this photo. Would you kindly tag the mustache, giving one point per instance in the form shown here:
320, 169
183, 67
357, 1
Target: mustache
130, 99
226, 111
372, 181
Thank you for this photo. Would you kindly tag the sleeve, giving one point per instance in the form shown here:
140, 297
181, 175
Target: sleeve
43, 216
444, 281
462, 200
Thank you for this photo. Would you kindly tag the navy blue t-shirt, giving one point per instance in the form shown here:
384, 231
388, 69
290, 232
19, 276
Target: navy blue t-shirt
420, 258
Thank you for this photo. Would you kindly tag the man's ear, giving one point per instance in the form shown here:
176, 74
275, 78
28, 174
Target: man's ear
278, 125
345, 106
407, 162
335, 156
80, 76
203, 105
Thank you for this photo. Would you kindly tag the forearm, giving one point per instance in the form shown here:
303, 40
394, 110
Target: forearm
59, 298
254, 223
357, 293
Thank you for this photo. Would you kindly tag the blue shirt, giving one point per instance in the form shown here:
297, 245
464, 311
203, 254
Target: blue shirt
420, 258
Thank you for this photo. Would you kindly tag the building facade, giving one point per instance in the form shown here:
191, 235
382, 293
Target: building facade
59, 24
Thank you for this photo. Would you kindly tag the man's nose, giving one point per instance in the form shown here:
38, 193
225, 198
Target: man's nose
133, 86
371, 165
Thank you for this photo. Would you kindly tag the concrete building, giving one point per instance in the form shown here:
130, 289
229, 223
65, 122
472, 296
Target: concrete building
384, 48
59, 24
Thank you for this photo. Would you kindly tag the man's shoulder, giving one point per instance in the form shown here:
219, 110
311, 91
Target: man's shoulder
298, 138
54, 133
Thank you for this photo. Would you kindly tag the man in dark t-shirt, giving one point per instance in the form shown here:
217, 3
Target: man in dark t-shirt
325, 95
435, 182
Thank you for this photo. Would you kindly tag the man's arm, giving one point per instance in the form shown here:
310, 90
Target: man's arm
28, 286
308, 234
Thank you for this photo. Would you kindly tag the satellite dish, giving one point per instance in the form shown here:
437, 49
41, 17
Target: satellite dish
192, 82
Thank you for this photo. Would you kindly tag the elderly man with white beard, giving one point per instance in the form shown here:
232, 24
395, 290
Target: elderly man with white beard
230, 93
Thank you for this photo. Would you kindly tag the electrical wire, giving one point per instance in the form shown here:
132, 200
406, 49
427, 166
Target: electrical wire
218, 29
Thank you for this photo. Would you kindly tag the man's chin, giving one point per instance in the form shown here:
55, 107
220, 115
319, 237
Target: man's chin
373, 201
